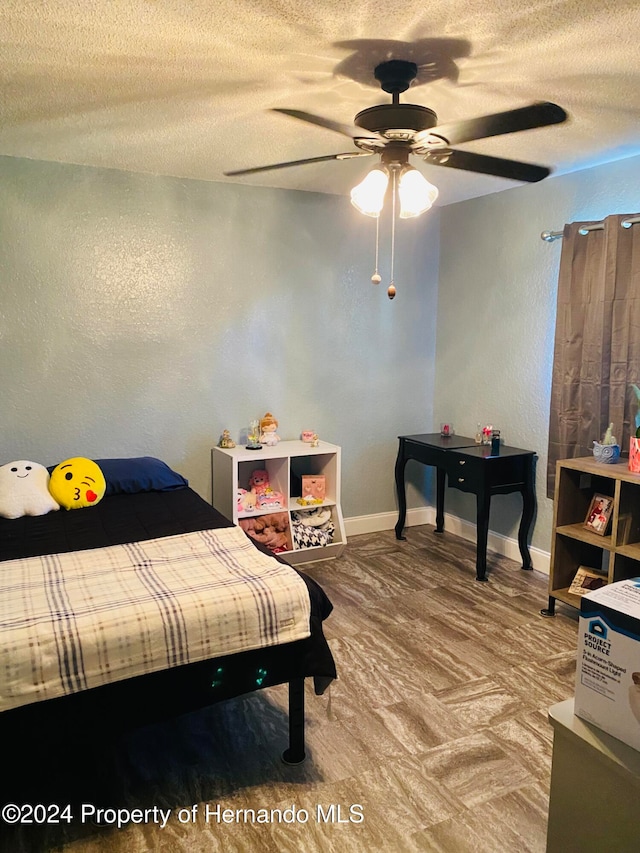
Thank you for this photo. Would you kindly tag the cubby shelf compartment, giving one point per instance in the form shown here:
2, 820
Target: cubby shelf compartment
616, 555
285, 463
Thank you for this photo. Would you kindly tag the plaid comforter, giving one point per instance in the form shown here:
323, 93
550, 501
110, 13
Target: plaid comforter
69, 622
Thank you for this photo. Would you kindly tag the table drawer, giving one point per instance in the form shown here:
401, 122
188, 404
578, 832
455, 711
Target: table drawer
465, 472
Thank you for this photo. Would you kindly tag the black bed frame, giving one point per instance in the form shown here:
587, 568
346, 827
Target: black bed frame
295, 754
146, 699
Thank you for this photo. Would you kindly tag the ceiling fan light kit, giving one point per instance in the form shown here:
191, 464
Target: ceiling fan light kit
395, 131
415, 192
368, 195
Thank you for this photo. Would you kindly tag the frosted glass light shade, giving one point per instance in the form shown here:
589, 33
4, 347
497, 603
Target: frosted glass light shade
368, 195
415, 192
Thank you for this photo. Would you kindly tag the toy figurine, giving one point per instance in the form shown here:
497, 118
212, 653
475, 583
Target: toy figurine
315, 441
226, 440
268, 427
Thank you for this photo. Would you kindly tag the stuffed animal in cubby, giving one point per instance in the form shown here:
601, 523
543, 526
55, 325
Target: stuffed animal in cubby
246, 500
266, 497
271, 530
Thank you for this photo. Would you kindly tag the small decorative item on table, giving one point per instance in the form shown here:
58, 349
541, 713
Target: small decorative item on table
634, 455
315, 441
487, 432
253, 436
446, 430
608, 450
599, 514
495, 442
226, 440
307, 436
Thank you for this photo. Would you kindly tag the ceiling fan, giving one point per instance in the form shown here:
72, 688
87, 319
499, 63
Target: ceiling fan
397, 130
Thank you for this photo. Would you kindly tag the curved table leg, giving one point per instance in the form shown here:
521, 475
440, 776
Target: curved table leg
400, 490
528, 509
483, 505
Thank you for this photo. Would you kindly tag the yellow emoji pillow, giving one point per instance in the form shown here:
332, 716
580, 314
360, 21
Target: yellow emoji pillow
77, 483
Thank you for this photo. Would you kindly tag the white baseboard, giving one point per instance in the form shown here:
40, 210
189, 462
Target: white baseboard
496, 542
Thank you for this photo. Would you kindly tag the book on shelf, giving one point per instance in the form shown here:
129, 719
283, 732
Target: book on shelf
599, 514
586, 580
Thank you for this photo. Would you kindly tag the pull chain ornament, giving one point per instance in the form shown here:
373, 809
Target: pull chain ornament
391, 291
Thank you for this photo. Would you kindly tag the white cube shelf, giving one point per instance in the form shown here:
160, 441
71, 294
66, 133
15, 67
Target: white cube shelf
285, 463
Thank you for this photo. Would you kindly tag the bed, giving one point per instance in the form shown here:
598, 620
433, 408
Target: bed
145, 517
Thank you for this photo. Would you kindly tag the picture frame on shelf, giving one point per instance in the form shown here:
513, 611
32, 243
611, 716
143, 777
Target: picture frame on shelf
599, 514
586, 580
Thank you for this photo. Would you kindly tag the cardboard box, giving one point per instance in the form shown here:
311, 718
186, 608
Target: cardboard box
608, 666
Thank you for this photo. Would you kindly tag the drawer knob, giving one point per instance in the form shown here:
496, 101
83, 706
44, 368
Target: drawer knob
461, 479
463, 461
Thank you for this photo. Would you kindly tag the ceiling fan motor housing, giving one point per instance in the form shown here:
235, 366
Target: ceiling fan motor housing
396, 117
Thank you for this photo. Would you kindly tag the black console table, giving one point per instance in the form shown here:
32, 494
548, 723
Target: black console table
470, 467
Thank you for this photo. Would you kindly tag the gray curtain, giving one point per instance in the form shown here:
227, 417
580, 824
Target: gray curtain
597, 341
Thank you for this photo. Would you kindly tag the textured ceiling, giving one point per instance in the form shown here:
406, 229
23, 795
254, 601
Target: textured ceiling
184, 88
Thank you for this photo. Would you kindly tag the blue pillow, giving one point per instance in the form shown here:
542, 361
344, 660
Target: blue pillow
140, 474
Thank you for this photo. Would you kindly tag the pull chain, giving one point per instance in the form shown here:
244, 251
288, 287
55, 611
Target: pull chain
391, 290
376, 278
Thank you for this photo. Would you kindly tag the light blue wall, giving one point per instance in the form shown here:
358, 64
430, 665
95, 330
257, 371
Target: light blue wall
143, 315
496, 315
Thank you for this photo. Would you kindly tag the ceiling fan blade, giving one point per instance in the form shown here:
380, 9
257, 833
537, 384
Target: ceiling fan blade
498, 166
524, 118
345, 129
348, 156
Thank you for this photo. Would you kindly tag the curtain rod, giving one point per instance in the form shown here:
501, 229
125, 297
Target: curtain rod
550, 236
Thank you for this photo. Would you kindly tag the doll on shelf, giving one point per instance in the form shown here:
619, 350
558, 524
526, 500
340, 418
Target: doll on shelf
268, 427
266, 497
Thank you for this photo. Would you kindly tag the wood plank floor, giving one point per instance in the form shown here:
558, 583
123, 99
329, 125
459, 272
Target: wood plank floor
437, 727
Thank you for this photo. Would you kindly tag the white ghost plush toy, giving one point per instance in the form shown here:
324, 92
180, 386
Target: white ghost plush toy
24, 490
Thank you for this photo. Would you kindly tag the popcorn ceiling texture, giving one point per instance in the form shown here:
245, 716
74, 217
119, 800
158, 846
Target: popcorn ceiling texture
184, 89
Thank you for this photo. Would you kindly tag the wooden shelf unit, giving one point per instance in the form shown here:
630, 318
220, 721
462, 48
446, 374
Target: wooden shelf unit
285, 463
617, 554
